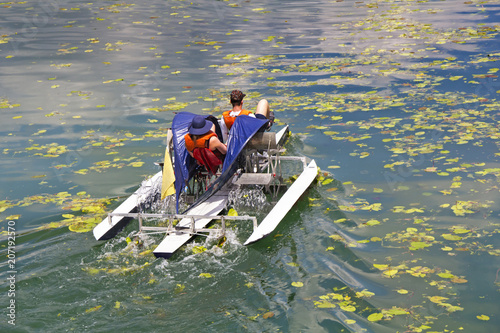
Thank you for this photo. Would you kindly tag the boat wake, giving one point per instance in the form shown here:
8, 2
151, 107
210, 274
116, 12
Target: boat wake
247, 199
149, 194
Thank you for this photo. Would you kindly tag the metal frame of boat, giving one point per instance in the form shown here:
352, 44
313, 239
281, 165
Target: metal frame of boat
262, 166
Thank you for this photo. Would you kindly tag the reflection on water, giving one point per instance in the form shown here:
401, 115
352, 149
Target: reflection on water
396, 101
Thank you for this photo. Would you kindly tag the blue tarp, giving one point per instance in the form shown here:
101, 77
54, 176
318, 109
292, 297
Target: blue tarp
182, 159
243, 129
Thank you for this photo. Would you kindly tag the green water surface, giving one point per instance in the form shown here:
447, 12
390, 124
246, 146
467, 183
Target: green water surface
397, 102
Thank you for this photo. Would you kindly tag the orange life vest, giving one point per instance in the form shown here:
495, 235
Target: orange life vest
229, 120
203, 143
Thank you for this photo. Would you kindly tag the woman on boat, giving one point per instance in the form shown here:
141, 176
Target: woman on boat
201, 136
228, 117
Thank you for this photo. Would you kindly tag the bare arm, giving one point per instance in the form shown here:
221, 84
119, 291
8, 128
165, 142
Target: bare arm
216, 144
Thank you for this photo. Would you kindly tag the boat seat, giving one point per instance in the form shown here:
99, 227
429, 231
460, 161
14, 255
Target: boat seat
208, 159
262, 141
255, 179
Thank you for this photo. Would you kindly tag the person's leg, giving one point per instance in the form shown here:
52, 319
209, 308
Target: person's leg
263, 112
263, 108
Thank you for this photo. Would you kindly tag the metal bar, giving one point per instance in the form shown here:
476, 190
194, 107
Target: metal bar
182, 216
155, 228
269, 164
179, 231
289, 158
182, 230
223, 222
197, 231
154, 233
192, 230
279, 164
254, 220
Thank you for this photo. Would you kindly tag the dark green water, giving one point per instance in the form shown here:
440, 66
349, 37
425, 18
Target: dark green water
397, 101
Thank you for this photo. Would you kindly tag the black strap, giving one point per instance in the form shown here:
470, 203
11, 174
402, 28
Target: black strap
218, 131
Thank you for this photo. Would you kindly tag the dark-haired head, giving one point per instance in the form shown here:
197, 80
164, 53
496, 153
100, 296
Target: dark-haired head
236, 97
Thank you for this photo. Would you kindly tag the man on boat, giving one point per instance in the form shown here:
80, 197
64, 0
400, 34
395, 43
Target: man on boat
236, 98
200, 138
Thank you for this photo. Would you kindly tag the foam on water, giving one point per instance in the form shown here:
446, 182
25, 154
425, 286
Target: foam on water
248, 198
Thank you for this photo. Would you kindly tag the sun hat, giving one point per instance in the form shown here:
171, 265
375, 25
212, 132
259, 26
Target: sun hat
199, 126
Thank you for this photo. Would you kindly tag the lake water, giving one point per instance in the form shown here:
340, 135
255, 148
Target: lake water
397, 101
